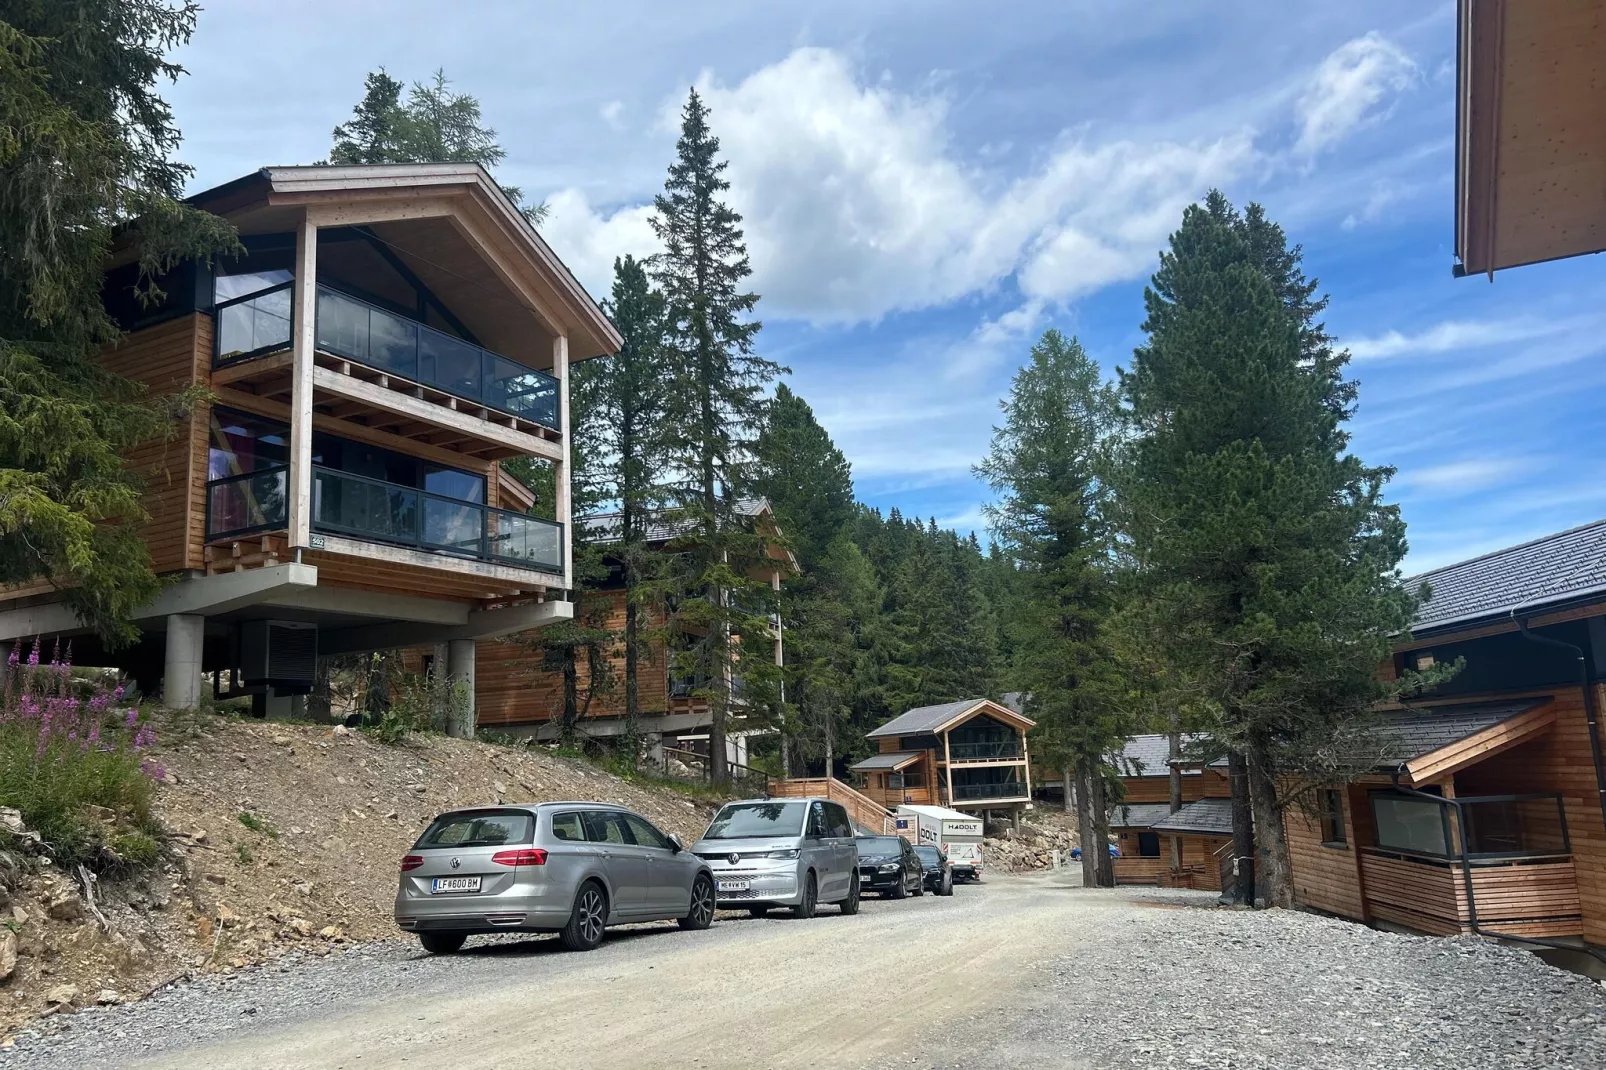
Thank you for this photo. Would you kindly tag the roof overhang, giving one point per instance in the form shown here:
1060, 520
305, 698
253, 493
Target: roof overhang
888, 763
1480, 745
993, 709
464, 194
1530, 132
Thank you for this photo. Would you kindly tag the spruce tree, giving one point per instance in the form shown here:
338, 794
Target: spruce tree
435, 124
1264, 543
715, 402
1045, 463
86, 161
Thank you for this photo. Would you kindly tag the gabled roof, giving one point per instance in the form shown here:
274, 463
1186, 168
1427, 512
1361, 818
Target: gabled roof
923, 719
493, 219
1150, 755
1565, 567
892, 760
1138, 815
604, 527
1205, 817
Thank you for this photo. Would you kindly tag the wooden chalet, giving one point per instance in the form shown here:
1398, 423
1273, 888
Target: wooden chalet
521, 691
970, 755
1530, 132
390, 335
1181, 849
1485, 809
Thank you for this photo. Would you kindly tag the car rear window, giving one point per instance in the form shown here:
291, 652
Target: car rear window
929, 854
738, 820
879, 845
478, 828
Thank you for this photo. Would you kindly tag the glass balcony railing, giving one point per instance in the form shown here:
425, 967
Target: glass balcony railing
970, 751
363, 508
366, 334
1008, 789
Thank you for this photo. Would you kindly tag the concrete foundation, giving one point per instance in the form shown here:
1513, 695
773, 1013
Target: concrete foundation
460, 671
181, 677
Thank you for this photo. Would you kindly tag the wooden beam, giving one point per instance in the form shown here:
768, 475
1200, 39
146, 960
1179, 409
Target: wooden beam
380, 211
563, 500
250, 369
409, 408
303, 328
1446, 761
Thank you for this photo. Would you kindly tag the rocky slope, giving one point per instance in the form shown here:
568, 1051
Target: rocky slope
283, 837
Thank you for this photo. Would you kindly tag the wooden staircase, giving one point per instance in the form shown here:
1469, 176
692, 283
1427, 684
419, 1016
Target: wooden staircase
860, 807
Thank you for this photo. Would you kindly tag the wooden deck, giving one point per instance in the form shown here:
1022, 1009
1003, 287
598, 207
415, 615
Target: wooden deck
1526, 897
863, 809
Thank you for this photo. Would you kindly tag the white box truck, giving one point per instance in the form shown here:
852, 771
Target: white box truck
959, 835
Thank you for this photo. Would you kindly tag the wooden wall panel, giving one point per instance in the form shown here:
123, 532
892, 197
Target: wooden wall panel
514, 690
1208, 784
1325, 878
1201, 868
168, 358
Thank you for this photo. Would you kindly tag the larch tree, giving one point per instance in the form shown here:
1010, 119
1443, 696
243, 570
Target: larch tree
714, 406
1265, 543
86, 165
1045, 464
435, 124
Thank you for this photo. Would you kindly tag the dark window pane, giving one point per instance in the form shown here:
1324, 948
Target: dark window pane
521, 391
342, 326
254, 501
250, 326
1149, 845
478, 828
240, 442
1405, 823
451, 483
393, 343
364, 508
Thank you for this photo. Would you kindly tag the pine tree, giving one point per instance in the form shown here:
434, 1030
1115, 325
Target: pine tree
434, 125
1266, 545
86, 147
626, 398
714, 404
804, 476
1044, 463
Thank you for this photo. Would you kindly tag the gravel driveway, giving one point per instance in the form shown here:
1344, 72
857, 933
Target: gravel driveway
1016, 972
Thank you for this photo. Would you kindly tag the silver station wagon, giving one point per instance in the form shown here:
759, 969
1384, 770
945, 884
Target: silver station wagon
573, 868
795, 853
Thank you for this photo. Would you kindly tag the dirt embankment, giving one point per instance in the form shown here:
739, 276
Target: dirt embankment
285, 838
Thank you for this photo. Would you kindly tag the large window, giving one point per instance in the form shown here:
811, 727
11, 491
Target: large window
1411, 824
245, 468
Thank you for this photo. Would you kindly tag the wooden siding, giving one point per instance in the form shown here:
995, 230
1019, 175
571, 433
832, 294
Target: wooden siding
1132, 868
1326, 877
1209, 784
1201, 868
1538, 899
860, 807
168, 359
513, 689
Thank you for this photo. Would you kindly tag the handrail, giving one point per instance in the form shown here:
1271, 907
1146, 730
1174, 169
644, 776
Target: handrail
413, 350
737, 772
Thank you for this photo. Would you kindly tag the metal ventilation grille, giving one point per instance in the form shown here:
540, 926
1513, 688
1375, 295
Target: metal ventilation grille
292, 654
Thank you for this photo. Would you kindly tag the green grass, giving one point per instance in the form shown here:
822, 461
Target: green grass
258, 824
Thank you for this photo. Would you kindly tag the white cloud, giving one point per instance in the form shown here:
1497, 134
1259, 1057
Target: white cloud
1463, 477
611, 113
1350, 89
1456, 335
856, 205
587, 240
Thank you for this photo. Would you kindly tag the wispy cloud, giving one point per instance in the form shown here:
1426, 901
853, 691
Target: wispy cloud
1456, 335
1352, 88
1464, 477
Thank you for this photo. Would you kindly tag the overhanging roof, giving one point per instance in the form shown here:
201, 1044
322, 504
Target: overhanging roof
890, 762
938, 718
1150, 755
1530, 132
1138, 815
1207, 817
1431, 742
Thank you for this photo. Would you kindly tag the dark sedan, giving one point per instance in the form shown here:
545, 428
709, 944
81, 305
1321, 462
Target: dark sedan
889, 865
938, 871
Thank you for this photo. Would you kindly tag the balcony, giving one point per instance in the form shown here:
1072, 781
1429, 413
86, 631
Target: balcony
374, 511
355, 331
995, 751
1007, 789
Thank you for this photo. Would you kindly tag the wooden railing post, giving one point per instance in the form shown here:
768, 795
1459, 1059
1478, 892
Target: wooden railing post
303, 340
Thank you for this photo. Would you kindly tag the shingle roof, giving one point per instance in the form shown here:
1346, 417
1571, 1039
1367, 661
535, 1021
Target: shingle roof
604, 527
1555, 568
923, 718
890, 760
1204, 816
1408, 734
1138, 815
1149, 755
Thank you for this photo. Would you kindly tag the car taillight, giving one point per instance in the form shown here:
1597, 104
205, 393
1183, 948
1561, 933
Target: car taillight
528, 856
412, 862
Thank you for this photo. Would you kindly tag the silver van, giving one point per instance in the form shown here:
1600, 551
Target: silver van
573, 868
795, 853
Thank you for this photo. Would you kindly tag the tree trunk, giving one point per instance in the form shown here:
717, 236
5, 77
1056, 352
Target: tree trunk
830, 746
632, 660
1067, 783
1174, 781
1084, 822
786, 756
1099, 804
571, 697
1273, 869
1243, 829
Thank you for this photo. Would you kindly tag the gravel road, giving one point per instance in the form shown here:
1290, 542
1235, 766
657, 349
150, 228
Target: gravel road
1020, 971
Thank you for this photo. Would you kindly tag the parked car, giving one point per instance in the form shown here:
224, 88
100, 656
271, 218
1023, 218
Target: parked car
1076, 852
889, 865
573, 868
937, 870
795, 853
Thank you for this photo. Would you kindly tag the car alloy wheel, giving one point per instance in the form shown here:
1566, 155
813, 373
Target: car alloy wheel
701, 914
587, 920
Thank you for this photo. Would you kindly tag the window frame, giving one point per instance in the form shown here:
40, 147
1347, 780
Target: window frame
1330, 823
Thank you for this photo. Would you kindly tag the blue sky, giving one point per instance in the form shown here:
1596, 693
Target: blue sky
928, 186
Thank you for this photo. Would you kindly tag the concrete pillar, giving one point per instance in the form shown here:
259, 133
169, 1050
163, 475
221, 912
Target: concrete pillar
459, 672
655, 749
277, 707
181, 679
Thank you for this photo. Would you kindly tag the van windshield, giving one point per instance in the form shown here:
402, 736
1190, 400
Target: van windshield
741, 820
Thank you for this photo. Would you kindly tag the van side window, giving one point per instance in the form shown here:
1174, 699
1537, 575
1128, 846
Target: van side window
817, 823
841, 827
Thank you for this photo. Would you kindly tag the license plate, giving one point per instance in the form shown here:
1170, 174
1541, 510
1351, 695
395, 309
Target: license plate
733, 886
863, 877
454, 884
